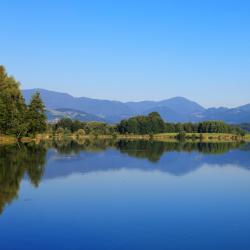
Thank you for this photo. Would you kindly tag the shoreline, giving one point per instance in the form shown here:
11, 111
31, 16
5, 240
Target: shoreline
167, 137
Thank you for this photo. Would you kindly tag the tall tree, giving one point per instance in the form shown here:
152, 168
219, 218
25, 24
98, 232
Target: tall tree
12, 105
36, 115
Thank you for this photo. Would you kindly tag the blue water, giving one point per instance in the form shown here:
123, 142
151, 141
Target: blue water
125, 197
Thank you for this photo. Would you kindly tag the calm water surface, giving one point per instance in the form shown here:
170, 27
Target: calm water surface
125, 195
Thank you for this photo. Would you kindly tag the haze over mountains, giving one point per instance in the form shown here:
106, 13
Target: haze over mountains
177, 109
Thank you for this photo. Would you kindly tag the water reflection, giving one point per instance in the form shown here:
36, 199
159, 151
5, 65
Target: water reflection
15, 162
65, 157
153, 150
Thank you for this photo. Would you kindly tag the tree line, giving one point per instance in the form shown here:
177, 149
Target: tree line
68, 126
142, 125
16, 117
153, 123
21, 119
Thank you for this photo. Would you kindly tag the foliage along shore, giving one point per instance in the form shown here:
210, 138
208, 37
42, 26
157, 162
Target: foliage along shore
20, 121
168, 137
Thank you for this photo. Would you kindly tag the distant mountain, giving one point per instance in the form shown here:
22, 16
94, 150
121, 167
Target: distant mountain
245, 108
168, 114
177, 109
179, 105
233, 115
57, 114
101, 108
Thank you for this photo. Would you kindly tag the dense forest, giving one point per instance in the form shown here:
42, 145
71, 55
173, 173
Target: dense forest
153, 123
16, 117
150, 124
142, 125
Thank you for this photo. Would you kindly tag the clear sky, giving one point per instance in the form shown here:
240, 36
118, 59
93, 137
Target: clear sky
130, 50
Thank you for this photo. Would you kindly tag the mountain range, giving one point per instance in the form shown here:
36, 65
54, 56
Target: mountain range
177, 109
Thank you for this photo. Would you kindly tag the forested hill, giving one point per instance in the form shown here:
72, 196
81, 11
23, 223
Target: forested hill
177, 109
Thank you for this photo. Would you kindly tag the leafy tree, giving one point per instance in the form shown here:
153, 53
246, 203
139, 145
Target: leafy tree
181, 136
80, 133
15, 117
60, 131
150, 124
36, 115
12, 106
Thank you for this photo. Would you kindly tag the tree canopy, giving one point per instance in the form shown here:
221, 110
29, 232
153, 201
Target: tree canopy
150, 124
17, 118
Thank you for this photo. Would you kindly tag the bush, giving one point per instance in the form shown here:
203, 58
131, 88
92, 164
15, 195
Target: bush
80, 133
59, 131
181, 136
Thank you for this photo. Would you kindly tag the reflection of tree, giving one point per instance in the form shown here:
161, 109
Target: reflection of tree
153, 150
15, 161
68, 146
205, 148
245, 147
36, 163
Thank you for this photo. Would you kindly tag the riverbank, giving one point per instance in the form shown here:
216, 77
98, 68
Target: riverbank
4, 139
205, 137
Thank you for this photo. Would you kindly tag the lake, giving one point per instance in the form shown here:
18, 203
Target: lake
125, 195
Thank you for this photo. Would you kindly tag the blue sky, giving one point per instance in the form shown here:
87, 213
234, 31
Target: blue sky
131, 50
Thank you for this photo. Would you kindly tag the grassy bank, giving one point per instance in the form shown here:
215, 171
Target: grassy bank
247, 137
5, 139
8, 139
205, 137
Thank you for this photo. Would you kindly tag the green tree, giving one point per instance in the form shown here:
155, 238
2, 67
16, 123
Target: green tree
12, 106
150, 124
80, 132
36, 115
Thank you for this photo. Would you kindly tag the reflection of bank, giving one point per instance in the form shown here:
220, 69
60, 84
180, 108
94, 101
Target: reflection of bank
15, 162
173, 158
149, 149
153, 150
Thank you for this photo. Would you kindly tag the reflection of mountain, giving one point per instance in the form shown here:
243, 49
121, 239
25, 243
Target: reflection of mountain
173, 158
67, 157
